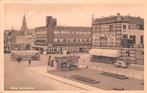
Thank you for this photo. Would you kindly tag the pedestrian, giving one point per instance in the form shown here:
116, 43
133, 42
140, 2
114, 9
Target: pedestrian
49, 58
19, 59
29, 61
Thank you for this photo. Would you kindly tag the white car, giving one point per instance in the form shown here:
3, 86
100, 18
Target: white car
121, 64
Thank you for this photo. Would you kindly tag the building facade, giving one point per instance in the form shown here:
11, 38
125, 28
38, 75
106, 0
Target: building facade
71, 39
124, 33
55, 38
41, 36
19, 39
44, 35
109, 31
9, 39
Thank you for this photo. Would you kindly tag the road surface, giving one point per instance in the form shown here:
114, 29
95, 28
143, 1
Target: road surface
17, 76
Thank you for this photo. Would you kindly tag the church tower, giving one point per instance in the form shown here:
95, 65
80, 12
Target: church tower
24, 25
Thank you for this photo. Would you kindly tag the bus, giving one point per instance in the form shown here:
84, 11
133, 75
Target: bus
25, 55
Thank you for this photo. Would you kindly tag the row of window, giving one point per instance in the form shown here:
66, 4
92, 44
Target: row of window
42, 31
113, 27
41, 41
41, 36
72, 40
71, 32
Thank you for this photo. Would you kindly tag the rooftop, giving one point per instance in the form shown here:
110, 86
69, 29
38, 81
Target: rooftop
118, 17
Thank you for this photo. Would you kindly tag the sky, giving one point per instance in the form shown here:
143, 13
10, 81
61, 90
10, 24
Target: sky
66, 14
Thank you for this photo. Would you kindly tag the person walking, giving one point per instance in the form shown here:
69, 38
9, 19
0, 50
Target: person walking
18, 59
29, 62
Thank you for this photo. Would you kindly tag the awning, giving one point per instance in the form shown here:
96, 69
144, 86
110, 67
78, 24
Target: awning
105, 52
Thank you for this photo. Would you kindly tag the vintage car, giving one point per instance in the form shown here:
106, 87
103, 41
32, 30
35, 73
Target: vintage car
121, 64
25, 55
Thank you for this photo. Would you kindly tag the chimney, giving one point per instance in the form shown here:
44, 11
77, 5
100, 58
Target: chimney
118, 16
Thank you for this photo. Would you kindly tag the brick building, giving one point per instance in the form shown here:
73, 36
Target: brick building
122, 33
109, 31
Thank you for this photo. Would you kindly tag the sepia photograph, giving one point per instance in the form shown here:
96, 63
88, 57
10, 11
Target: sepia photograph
73, 47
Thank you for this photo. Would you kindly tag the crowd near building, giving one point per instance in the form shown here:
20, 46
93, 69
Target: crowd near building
108, 39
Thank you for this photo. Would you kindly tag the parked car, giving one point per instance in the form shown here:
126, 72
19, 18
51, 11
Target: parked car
25, 55
121, 64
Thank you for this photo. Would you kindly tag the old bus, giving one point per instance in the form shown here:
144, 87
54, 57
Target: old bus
25, 55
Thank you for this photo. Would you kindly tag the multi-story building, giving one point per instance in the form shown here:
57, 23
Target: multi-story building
121, 33
41, 36
58, 38
109, 31
71, 39
44, 35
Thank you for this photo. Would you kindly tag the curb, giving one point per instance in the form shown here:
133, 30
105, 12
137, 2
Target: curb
66, 81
